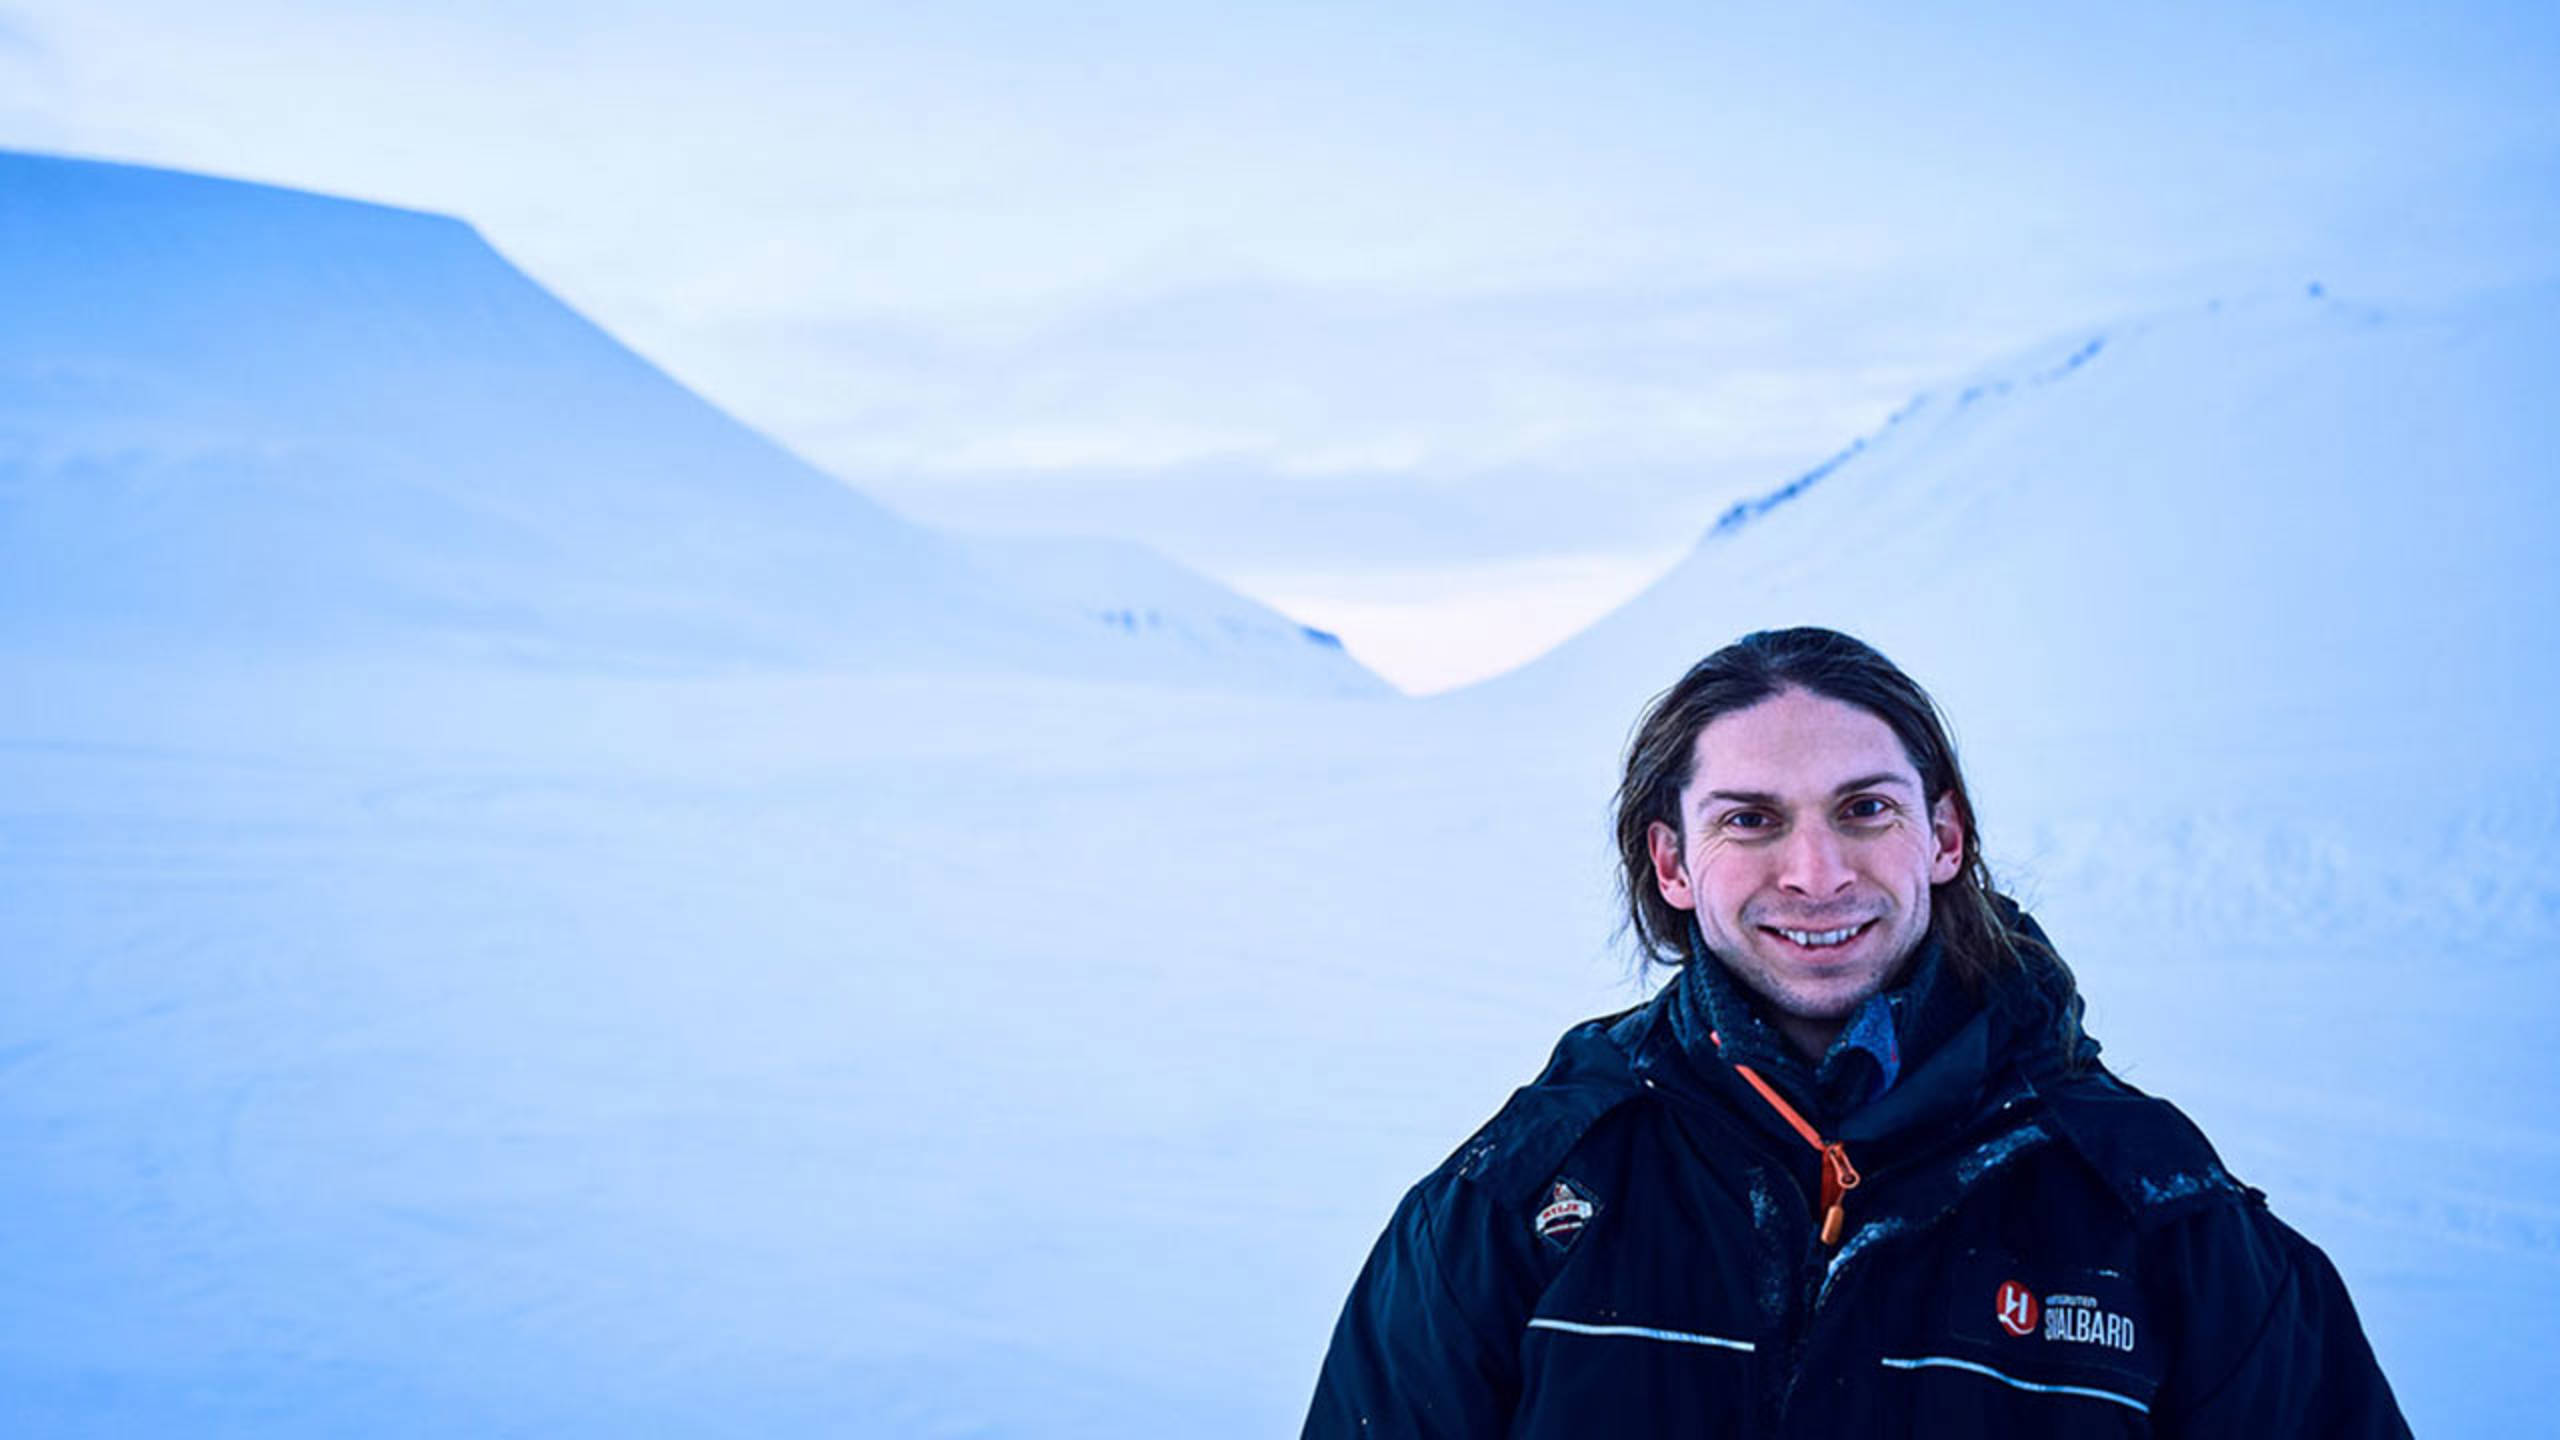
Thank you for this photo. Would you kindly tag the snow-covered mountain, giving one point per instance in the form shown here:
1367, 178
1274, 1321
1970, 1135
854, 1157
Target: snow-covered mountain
2292, 506
235, 418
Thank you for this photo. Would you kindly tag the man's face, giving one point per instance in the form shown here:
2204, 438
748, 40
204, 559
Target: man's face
1807, 851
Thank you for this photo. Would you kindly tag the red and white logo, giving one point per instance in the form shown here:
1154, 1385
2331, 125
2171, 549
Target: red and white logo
1567, 1210
2017, 1308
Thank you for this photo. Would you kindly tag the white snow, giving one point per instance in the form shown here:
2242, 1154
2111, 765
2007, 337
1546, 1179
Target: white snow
404, 1038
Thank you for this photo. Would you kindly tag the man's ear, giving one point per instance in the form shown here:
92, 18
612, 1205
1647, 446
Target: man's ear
1946, 829
1668, 876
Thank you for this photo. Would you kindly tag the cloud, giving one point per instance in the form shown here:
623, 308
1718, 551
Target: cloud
1316, 380
30, 88
1282, 427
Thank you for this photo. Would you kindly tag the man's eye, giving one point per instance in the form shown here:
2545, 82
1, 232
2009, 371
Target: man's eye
1868, 807
1748, 820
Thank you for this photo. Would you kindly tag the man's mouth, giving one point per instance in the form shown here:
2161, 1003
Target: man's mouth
1819, 939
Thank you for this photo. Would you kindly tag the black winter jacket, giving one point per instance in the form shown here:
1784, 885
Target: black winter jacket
2034, 1248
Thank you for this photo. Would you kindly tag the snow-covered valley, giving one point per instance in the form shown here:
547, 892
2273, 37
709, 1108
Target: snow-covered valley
485, 1019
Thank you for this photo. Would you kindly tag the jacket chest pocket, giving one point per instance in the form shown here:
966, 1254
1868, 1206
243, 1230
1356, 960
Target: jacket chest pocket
2013, 1346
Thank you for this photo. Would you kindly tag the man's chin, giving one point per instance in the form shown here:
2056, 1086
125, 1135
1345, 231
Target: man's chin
1826, 1005
1818, 995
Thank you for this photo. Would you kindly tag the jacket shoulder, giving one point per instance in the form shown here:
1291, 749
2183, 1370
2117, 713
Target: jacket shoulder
1515, 1154
1428, 1343
2143, 1149
2268, 1342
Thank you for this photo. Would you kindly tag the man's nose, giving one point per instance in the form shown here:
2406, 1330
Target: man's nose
1814, 863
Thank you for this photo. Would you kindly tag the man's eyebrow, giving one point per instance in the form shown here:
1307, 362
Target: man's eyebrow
1762, 797
1746, 797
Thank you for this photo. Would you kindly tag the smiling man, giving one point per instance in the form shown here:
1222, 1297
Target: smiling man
1807, 852
1857, 1170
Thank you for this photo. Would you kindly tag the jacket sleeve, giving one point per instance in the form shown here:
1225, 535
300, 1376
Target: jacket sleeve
2273, 1348
1428, 1344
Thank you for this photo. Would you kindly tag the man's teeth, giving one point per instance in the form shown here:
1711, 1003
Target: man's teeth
1816, 939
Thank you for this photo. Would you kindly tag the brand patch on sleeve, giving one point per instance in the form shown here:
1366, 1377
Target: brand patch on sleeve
1567, 1208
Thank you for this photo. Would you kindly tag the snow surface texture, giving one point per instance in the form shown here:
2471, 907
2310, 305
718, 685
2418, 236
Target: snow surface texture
238, 417
403, 1038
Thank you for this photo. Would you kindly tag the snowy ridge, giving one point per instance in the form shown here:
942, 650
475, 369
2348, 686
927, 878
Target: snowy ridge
1743, 512
2260, 480
239, 417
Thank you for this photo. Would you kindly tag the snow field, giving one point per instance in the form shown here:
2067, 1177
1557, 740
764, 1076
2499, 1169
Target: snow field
529, 911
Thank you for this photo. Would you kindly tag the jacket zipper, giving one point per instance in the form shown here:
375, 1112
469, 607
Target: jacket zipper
1824, 1265
1839, 1177
1821, 1262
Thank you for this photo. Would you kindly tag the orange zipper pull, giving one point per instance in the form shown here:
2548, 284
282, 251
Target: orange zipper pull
1839, 1177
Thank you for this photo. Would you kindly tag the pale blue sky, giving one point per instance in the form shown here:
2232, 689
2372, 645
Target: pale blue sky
1443, 325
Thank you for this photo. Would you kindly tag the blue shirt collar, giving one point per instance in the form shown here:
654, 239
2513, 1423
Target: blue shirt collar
1866, 1060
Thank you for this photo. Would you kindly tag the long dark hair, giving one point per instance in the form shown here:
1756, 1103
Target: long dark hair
1662, 759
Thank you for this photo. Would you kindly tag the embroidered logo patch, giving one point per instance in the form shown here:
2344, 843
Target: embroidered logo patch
1569, 1207
2048, 1320
2016, 1307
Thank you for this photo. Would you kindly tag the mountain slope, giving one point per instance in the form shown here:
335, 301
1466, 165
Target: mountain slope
2290, 506
233, 416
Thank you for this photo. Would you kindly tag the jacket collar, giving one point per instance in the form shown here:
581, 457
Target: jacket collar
1956, 1047
1896, 1029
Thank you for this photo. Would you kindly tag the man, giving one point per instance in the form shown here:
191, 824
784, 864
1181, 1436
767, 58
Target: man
1856, 1171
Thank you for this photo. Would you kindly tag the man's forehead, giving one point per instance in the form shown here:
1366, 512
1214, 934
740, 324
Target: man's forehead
1797, 744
